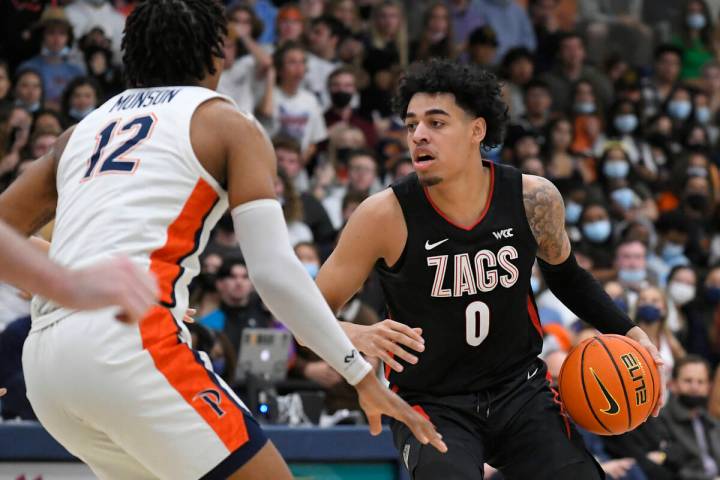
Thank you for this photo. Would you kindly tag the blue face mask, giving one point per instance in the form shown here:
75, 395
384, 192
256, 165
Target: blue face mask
621, 304
616, 169
679, 109
712, 295
671, 251
535, 285
584, 107
572, 212
625, 123
46, 52
648, 314
218, 365
631, 277
597, 231
312, 269
624, 197
696, 21
80, 114
702, 114
697, 172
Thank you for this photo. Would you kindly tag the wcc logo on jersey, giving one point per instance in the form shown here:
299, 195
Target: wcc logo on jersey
462, 274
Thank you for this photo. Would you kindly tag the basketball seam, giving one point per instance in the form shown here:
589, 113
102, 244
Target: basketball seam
622, 382
656, 392
582, 382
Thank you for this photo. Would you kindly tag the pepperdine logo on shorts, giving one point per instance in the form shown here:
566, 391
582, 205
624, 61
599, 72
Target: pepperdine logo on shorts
482, 273
212, 398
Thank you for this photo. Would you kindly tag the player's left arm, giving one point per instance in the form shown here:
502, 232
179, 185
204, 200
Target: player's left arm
573, 285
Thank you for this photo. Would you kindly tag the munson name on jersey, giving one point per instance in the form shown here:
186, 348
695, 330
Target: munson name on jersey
470, 275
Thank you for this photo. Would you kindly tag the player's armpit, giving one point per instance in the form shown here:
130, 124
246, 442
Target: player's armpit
373, 232
546, 216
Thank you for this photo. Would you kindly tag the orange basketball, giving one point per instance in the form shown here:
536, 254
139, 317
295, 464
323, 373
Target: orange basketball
609, 384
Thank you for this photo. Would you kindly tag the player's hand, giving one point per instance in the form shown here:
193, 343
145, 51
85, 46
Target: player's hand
377, 400
618, 468
637, 334
384, 339
116, 282
189, 314
3, 391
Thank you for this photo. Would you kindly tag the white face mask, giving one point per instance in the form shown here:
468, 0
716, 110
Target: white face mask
681, 293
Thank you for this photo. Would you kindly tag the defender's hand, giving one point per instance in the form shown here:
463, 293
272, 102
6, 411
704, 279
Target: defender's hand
3, 391
116, 282
637, 334
377, 400
385, 338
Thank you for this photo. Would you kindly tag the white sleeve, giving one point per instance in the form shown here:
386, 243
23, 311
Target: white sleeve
287, 289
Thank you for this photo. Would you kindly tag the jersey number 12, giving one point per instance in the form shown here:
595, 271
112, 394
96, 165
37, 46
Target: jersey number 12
111, 163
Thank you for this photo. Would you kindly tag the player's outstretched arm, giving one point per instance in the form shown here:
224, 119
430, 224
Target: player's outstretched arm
574, 286
276, 272
343, 274
115, 282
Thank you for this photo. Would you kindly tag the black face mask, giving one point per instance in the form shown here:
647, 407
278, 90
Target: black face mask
340, 99
343, 154
697, 201
693, 401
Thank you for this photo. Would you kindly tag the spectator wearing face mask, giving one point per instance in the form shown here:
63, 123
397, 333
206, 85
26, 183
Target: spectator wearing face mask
342, 88
666, 72
703, 321
79, 99
597, 239
628, 199
28, 92
679, 107
651, 315
624, 127
695, 434
695, 39
681, 292
54, 62
669, 252
697, 203
631, 265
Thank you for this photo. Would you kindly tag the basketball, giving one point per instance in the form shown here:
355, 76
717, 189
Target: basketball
609, 384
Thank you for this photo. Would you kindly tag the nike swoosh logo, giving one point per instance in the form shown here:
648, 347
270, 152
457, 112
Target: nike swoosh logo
613, 407
530, 375
430, 246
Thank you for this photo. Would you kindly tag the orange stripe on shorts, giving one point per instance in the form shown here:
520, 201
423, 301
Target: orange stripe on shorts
159, 331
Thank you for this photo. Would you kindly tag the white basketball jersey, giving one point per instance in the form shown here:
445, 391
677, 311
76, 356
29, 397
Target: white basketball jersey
129, 183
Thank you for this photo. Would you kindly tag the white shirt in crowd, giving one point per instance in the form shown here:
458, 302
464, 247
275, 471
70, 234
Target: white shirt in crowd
298, 116
318, 71
240, 82
83, 15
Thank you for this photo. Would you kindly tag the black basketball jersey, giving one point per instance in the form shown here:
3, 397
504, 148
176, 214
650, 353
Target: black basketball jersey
468, 288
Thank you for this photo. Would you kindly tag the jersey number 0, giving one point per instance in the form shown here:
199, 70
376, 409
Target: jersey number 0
477, 323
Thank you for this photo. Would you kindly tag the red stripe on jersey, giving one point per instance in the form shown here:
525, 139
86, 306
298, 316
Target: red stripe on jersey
488, 201
556, 399
421, 411
532, 311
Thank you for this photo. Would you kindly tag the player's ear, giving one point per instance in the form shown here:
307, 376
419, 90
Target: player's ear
479, 129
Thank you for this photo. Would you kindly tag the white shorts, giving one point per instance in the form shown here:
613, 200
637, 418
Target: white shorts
134, 401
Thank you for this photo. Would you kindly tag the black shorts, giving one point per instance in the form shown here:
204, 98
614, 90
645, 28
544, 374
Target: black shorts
518, 428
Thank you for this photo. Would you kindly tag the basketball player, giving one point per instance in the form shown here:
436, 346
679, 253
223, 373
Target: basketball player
454, 245
115, 282
147, 175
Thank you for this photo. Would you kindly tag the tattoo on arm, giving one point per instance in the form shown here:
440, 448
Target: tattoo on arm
546, 216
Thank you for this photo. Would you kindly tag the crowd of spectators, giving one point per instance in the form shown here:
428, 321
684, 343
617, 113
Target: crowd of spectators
616, 102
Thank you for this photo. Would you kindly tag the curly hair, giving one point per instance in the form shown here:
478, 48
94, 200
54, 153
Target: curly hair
476, 91
172, 42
